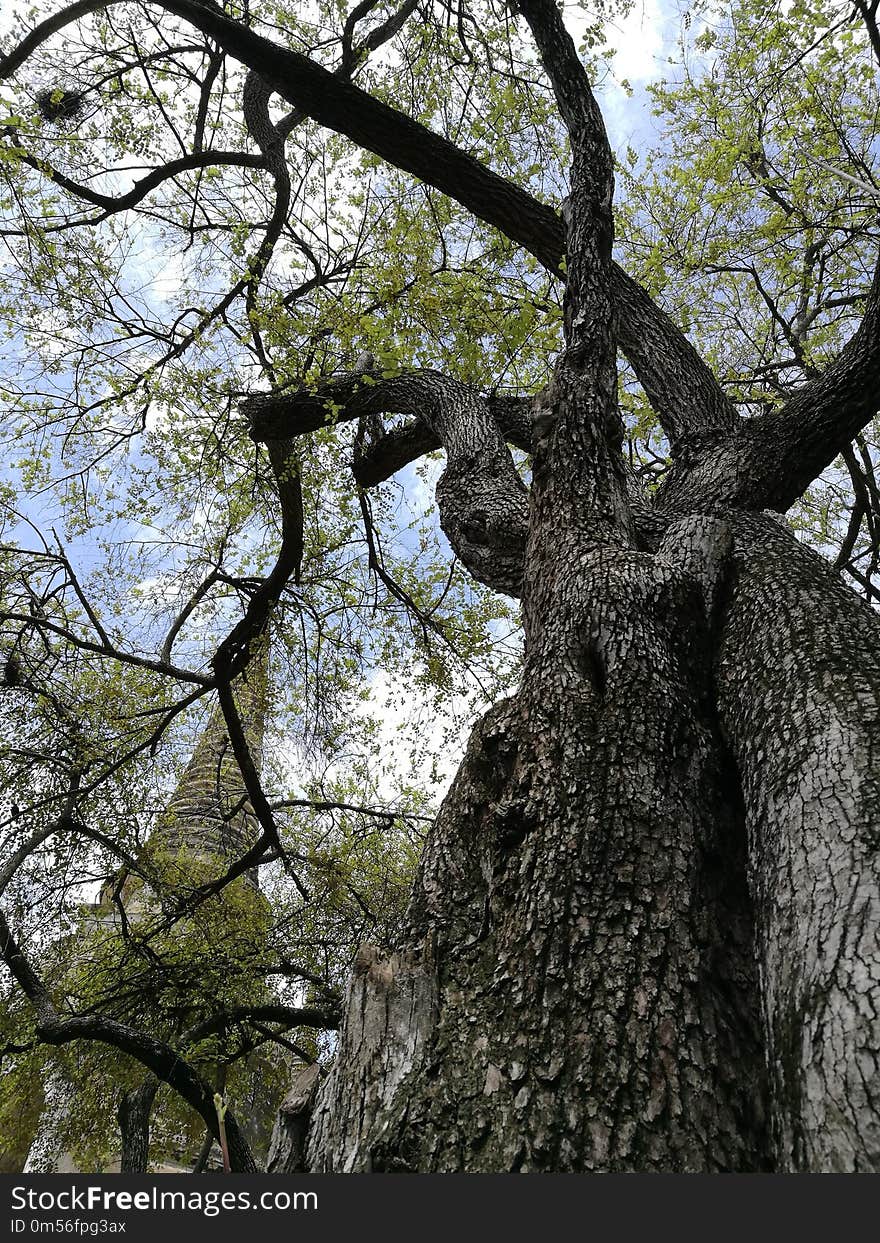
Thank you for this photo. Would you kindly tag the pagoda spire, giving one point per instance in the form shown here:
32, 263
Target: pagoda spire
209, 815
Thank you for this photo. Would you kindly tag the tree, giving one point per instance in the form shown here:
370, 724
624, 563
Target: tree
643, 932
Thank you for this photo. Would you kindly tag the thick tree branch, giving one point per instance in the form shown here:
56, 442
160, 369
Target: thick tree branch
390, 452
867, 10
384, 457
774, 459
288, 1016
589, 311
249, 772
682, 389
482, 500
133, 1116
295, 413
284, 415
792, 446
578, 475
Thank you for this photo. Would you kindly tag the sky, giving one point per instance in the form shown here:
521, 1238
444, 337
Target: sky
641, 39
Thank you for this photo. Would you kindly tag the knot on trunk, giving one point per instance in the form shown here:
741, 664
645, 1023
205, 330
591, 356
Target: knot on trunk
485, 518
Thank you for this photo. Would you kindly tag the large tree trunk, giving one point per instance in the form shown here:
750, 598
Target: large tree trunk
799, 697
578, 989
611, 939
644, 934
133, 1115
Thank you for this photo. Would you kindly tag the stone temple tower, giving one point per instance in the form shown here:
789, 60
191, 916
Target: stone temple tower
209, 818
207, 824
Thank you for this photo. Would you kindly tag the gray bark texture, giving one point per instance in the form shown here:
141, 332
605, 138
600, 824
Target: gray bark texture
288, 1144
133, 1115
579, 991
645, 930
799, 698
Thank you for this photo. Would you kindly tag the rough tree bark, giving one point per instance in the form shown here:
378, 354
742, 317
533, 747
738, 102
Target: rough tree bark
798, 678
133, 1116
646, 937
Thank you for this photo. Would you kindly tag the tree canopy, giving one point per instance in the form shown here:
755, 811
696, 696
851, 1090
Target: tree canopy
236, 239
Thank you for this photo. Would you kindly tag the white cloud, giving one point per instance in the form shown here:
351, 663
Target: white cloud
640, 39
167, 277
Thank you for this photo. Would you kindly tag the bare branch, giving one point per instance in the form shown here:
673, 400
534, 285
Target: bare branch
111, 205
189, 607
380, 813
111, 650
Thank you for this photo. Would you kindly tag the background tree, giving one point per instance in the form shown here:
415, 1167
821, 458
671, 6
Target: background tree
643, 932
762, 198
